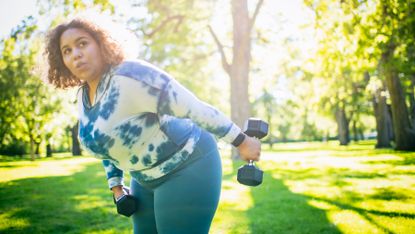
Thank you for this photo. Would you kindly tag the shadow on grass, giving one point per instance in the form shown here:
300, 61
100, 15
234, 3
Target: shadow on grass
406, 160
290, 213
277, 210
389, 194
345, 151
9, 166
366, 213
339, 178
79, 203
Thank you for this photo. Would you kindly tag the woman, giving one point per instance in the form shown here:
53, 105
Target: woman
137, 118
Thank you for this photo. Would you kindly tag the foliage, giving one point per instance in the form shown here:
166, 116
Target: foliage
354, 37
351, 36
25, 102
174, 37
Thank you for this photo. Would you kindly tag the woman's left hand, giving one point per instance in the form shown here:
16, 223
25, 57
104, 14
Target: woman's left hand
250, 149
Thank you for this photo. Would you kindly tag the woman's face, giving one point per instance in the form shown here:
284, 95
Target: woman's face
82, 55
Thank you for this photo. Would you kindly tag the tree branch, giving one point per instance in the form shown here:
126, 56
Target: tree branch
179, 19
226, 66
253, 19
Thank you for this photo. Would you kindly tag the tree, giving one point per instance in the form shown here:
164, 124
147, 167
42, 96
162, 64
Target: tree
238, 70
76, 148
381, 111
26, 100
374, 41
8, 87
394, 24
173, 34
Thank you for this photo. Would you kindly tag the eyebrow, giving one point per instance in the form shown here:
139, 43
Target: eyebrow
78, 39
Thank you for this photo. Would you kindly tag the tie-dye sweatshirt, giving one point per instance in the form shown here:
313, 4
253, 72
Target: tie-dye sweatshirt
144, 122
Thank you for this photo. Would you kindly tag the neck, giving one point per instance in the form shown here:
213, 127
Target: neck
92, 88
93, 84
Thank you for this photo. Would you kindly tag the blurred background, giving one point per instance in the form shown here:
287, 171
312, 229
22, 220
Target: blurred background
319, 70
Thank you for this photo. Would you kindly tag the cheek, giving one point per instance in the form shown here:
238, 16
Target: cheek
99, 54
65, 61
67, 64
99, 58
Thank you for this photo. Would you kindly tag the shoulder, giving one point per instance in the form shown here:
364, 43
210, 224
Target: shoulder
143, 71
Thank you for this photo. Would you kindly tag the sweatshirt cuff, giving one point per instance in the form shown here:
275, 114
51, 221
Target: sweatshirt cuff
232, 133
115, 181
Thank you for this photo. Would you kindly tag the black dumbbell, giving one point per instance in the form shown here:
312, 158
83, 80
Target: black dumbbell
249, 174
126, 204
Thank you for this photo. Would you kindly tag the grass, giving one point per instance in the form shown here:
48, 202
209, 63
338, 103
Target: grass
307, 188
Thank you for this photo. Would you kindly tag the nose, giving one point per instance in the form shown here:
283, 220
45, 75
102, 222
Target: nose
77, 53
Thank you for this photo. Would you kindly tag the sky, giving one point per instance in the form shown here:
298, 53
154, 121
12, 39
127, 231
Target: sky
13, 12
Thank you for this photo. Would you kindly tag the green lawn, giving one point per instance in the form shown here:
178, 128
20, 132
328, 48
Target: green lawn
307, 188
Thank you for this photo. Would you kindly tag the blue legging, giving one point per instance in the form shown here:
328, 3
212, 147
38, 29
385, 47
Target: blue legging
184, 201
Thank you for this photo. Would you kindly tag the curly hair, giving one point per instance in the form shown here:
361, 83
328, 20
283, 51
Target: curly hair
58, 74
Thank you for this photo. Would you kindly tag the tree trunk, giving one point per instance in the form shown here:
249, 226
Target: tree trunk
37, 149
404, 133
76, 148
270, 138
361, 134
383, 120
68, 131
355, 131
239, 69
342, 126
32, 150
48, 150
412, 101
48, 145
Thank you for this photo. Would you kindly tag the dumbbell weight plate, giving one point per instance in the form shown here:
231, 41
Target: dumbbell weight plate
250, 175
126, 205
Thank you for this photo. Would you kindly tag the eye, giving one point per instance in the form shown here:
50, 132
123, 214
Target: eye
82, 43
66, 51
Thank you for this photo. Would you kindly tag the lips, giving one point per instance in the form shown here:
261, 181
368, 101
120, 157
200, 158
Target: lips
80, 65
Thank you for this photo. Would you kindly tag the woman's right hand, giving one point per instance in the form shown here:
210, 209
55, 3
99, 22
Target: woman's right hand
118, 191
250, 149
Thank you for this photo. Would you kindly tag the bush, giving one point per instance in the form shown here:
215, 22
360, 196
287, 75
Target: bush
15, 148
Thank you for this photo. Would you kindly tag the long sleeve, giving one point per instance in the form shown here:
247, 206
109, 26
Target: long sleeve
145, 123
177, 101
114, 175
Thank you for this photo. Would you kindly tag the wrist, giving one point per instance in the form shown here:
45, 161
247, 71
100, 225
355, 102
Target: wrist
117, 188
239, 139
118, 191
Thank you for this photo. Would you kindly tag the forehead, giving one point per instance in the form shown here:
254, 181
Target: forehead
71, 35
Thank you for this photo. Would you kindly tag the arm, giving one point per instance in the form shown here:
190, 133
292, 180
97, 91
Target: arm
178, 101
114, 177
165, 96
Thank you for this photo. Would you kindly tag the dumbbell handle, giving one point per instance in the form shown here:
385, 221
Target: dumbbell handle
251, 162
